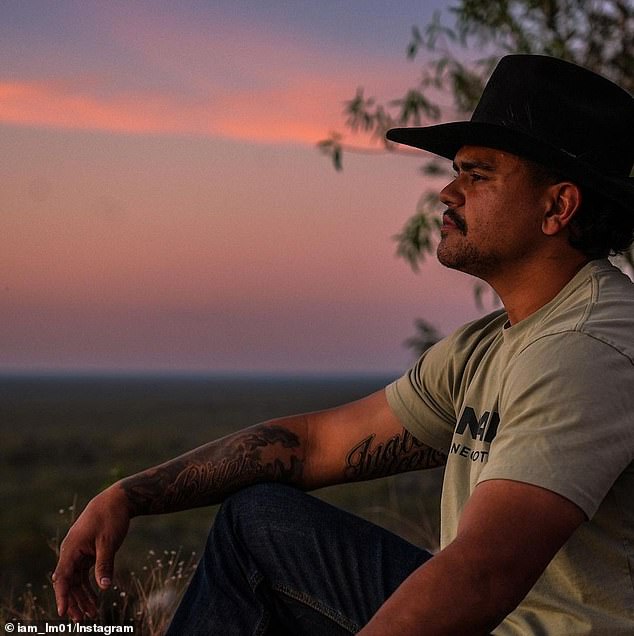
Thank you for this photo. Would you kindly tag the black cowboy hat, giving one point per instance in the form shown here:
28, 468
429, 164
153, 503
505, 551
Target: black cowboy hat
558, 114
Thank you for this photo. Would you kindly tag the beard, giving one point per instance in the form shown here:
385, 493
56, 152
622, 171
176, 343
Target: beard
457, 252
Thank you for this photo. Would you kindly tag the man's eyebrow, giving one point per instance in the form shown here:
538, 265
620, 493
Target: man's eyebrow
475, 164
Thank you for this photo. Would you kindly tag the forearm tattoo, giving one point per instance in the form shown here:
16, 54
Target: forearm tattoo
399, 454
207, 474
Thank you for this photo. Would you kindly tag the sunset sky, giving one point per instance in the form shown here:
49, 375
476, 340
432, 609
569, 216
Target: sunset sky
163, 204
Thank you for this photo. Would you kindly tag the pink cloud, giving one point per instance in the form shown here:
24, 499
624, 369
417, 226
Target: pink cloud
301, 113
49, 104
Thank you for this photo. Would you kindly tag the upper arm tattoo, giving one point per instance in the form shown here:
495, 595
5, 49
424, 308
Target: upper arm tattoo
399, 454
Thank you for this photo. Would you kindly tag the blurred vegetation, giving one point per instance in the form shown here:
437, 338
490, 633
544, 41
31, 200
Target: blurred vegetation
458, 50
146, 599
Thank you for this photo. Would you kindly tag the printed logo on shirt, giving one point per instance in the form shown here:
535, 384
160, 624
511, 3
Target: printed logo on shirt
477, 431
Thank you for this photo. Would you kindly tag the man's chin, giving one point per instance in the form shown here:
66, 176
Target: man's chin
447, 258
460, 261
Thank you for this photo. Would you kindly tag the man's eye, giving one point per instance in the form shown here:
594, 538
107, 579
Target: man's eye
471, 176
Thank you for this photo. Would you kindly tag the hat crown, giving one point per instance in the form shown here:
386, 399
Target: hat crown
583, 114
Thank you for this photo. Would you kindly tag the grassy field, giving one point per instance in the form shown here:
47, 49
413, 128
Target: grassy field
65, 438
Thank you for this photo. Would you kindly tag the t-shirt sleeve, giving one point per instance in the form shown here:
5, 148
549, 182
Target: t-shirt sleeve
567, 420
422, 400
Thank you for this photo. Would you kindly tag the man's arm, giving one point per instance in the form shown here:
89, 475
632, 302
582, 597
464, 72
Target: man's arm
508, 534
358, 441
355, 442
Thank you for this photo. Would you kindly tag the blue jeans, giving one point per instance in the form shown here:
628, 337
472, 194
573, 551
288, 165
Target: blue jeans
281, 562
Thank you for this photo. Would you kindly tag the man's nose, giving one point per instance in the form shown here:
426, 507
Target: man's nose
451, 196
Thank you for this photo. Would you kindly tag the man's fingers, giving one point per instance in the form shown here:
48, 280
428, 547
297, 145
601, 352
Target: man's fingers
104, 565
73, 594
73, 611
60, 586
85, 600
85, 595
72, 565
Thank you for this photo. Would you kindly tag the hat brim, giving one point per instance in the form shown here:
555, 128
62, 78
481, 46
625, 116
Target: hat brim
445, 140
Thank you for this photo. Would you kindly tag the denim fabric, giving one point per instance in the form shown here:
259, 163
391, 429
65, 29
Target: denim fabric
279, 561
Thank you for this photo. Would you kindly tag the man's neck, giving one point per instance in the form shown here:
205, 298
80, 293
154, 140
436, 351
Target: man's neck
535, 285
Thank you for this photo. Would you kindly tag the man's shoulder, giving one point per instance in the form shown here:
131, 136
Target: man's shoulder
612, 302
601, 307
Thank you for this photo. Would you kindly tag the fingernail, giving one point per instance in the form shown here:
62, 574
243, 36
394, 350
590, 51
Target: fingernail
104, 580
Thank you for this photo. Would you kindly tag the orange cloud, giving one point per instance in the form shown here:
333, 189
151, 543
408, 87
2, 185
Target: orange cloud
301, 113
49, 104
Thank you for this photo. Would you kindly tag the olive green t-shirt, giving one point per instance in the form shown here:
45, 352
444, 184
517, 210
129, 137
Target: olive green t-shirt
548, 401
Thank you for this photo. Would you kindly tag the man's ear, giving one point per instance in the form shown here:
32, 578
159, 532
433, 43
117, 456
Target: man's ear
564, 200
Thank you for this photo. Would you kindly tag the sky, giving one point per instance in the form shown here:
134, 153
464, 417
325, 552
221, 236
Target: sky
163, 204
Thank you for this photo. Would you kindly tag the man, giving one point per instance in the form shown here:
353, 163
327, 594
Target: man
531, 409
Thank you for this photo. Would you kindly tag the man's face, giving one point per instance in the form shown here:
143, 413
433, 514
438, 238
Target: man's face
495, 208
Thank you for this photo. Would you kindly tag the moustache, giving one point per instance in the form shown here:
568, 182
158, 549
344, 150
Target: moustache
457, 220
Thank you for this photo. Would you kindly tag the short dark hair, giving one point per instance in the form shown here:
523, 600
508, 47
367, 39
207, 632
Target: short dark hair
598, 228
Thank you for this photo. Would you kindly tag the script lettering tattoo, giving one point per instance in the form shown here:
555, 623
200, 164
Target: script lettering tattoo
399, 454
204, 476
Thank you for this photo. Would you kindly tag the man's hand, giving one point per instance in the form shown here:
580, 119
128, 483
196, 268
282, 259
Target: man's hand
92, 540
